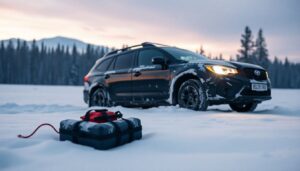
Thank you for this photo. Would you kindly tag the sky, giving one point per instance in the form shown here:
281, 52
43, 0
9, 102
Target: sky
216, 25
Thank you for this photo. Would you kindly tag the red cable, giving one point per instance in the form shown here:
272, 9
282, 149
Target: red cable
44, 124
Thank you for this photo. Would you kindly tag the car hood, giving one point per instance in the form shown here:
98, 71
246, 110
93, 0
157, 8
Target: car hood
230, 64
246, 65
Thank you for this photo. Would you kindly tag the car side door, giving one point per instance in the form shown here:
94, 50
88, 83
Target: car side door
118, 78
150, 81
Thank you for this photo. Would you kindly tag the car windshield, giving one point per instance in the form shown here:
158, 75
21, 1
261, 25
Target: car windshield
184, 55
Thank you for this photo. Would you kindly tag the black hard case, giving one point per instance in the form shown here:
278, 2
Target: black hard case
101, 135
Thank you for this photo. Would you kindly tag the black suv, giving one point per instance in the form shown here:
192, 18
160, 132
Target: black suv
152, 74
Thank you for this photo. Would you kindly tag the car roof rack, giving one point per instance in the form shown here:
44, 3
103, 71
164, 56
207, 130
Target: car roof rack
144, 44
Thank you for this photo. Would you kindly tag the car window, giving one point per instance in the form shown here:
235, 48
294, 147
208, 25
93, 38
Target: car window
103, 65
145, 56
111, 65
124, 61
184, 55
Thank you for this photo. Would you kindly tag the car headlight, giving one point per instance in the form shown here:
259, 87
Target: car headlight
221, 70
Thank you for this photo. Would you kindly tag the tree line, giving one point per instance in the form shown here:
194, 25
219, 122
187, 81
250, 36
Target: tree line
24, 64
32, 64
283, 74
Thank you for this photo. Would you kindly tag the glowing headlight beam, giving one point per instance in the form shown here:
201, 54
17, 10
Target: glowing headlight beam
221, 70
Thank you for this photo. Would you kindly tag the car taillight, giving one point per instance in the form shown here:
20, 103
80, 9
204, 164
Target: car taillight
86, 78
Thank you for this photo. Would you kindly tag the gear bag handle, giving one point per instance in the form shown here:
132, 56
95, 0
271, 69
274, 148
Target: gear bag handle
87, 114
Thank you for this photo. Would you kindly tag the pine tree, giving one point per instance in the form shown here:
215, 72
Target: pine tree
74, 72
2, 62
221, 57
34, 62
246, 51
102, 52
261, 51
25, 59
202, 52
273, 72
17, 64
43, 65
287, 73
9, 55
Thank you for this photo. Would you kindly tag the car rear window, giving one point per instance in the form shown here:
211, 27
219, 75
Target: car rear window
103, 65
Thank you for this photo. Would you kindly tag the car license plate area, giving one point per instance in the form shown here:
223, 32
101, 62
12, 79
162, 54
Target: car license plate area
259, 87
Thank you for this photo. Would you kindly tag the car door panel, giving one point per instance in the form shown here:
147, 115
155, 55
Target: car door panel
119, 79
150, 82
119, 85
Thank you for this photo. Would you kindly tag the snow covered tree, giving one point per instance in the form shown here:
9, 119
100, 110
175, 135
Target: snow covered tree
246, 51
261, 51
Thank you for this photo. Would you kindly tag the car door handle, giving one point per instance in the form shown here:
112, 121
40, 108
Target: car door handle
137, 73
106, 76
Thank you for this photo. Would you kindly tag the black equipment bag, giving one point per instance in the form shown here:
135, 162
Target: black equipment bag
101, 135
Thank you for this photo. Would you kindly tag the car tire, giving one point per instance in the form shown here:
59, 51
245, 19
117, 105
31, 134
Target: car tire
99, 97
192, 95
243, 107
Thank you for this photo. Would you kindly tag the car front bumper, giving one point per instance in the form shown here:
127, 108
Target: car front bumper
236, 89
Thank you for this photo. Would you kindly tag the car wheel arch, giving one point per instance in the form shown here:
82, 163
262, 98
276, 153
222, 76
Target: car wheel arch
94, 87
180, 80
98, 86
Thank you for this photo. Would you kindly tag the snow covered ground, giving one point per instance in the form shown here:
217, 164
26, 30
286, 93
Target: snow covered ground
173, 138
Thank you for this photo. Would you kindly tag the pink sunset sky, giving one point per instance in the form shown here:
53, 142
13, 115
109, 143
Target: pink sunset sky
216, 25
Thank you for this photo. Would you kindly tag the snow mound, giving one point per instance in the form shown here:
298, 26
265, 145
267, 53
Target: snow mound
173, 138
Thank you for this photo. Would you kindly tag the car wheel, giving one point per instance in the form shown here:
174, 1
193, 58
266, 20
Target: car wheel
192, 95
99, 98
243, 107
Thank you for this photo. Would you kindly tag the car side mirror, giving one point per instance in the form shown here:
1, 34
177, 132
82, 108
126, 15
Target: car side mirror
158, 61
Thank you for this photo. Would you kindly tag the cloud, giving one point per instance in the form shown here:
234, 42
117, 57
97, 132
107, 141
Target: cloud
216, 24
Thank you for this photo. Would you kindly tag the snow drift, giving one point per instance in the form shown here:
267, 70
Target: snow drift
173, 138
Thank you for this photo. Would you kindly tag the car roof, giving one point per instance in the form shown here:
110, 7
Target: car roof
134, 47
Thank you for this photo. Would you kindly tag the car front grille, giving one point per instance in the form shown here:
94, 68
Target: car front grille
251, 73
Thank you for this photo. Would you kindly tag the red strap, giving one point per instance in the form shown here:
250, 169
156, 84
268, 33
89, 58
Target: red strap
44, 124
